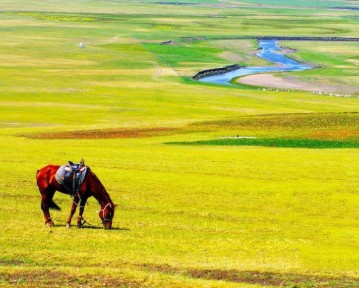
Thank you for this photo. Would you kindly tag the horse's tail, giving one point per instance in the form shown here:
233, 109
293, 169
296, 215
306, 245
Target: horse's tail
42, 179
53, 205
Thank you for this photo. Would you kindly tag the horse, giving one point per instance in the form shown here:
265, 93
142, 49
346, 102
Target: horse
91, 186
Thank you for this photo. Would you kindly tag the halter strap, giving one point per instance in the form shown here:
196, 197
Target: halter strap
103, 212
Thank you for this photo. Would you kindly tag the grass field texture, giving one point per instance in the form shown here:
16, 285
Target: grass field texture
275, 212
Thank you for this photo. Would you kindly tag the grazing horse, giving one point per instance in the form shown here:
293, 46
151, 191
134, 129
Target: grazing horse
91, 186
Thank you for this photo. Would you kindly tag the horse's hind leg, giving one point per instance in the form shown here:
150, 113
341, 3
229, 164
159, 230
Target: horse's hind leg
46, 200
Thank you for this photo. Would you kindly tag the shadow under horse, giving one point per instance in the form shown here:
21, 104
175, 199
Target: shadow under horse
91, 186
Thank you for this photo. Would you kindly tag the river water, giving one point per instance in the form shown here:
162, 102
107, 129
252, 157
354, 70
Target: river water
269, 50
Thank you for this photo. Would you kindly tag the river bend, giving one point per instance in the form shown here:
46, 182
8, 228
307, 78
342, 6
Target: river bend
270, 51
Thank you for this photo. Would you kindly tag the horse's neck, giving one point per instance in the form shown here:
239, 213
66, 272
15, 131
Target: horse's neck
101, 199
99, 193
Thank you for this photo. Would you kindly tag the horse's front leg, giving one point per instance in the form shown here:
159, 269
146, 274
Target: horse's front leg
81, 211
75, 202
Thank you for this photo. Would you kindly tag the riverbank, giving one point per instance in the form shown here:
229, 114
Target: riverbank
295, 83
216, 71
269, 80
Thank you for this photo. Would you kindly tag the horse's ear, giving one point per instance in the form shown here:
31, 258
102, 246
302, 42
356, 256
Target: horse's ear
82, 162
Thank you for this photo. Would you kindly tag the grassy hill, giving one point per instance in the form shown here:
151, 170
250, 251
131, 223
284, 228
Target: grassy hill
222, 215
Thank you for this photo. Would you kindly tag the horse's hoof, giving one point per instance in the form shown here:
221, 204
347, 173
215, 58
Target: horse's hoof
68, 225
49, 224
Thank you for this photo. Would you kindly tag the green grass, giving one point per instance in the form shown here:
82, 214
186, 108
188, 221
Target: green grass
188, 215
275, 142
303, 3
338, 65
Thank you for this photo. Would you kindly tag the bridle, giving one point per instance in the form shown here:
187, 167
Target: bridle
103, 213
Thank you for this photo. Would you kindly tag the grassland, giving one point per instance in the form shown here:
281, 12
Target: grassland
188, 215
335, 73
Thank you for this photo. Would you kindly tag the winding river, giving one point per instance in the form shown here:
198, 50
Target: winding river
269, 50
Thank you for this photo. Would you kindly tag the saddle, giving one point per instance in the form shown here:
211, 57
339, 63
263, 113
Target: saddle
71, 176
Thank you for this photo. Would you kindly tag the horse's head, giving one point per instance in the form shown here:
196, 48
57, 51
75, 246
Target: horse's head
106, 214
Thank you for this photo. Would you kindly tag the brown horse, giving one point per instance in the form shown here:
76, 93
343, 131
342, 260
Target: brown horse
92, 186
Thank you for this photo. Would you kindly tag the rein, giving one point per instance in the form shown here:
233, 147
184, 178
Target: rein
78, 202
102, 210
83, 221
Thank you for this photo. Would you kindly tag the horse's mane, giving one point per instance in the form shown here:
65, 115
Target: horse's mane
100, 185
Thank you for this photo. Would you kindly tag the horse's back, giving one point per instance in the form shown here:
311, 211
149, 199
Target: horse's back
46, 175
